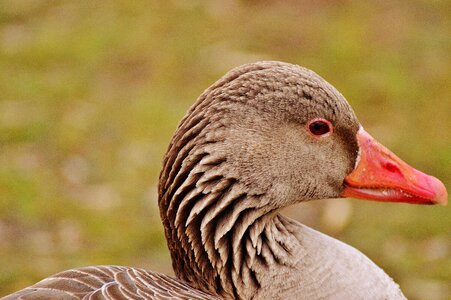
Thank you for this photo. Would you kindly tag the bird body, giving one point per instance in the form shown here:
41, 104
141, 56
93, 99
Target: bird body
324, 275
265, 136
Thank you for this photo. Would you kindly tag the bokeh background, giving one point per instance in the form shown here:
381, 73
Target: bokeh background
91, 92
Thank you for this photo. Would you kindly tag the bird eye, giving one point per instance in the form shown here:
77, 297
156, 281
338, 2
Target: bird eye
319, 127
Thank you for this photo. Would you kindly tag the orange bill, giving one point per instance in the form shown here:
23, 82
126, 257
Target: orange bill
380, 175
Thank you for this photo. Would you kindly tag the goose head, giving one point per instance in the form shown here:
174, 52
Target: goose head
265, 136
283, 131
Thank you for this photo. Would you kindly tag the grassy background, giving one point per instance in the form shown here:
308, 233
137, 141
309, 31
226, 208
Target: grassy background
91, 92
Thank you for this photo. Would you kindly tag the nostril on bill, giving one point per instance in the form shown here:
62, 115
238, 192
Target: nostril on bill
392, 168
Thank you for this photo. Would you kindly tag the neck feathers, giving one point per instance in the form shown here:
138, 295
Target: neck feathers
220, 234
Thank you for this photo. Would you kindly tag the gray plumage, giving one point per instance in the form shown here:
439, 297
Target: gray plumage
240, 155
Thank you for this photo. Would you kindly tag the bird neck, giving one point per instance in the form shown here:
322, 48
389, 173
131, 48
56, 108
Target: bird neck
223, 242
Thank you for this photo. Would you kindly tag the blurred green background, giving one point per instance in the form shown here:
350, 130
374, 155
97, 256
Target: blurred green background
91, 92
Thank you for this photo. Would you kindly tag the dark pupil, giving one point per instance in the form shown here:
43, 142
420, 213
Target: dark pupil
319, 128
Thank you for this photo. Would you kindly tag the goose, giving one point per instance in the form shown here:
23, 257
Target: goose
265, 136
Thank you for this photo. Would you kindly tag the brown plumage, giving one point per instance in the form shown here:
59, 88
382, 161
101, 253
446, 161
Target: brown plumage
240, 154
110, 282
